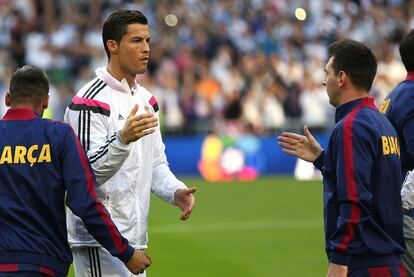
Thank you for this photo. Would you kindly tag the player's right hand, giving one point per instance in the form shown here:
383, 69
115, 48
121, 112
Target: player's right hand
139, 126
138, 262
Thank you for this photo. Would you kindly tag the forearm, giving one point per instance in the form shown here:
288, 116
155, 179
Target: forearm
108, 159
165, 184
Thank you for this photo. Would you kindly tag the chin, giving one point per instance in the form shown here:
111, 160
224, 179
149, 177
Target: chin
141, 71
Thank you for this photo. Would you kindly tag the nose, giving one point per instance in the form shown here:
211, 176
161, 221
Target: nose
146, 47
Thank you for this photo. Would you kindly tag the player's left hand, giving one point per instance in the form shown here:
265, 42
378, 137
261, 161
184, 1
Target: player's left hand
185, 200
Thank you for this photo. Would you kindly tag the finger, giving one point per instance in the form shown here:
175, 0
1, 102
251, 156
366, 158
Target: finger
187, 212
185, 215
287, 145
288, 140
147, 108
145, 117
293, 135
148, 257
140, 126
143, 131
308, 133
190, 190
133, 111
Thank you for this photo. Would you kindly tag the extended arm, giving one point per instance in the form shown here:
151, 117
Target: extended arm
166, 186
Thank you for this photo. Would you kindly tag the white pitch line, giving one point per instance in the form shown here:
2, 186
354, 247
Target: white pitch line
186, 227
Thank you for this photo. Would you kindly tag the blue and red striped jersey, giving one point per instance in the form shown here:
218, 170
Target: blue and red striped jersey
362, 183
42, 166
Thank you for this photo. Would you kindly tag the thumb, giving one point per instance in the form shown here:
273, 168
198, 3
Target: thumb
191, 190
133, 111
308, 133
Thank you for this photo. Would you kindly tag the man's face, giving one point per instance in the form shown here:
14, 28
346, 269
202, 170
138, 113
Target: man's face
331, 84
134, 49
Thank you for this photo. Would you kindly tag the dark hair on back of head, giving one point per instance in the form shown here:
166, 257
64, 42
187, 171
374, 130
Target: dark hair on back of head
356, 60
407, 51
28, 84
117, 23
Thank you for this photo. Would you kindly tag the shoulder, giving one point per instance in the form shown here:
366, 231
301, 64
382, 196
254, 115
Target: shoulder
403, 93
95, 96
93, 89
56, 125
359, 122
57, 131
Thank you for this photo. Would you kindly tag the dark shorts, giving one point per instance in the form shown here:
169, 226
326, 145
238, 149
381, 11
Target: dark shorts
386, 271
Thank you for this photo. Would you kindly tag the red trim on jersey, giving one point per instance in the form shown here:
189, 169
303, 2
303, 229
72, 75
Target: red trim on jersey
350, 180
20, 114
9, 267
401, 271
116, 237
47, 271
380, 271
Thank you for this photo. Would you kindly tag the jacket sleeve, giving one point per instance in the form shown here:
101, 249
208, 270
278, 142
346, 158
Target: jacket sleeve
355, 151
81, 199
105, 150
164, 183
320, 160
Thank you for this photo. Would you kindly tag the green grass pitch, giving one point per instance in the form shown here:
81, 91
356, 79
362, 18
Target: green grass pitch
266, 228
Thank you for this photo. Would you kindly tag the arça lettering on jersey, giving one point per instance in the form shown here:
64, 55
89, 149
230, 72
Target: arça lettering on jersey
20, 154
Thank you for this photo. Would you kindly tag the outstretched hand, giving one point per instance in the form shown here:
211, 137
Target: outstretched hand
139, 126
304, 147
185, 200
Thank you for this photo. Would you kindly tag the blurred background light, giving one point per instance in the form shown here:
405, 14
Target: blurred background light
171, 20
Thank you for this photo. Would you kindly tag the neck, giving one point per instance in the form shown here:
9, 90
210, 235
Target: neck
115, 70
38, 110
353, 94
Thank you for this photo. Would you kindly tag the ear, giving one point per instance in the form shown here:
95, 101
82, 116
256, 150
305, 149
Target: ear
45, 102
342, 78
112, 46
7, 99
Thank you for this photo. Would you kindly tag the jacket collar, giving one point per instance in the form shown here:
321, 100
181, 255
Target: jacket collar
348, 107
122, 86
20, 114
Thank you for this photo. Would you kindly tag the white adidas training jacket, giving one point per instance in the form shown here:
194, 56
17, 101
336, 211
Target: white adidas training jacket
125, 174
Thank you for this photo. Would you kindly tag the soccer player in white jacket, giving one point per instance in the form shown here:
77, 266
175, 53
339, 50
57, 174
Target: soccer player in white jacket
116, 121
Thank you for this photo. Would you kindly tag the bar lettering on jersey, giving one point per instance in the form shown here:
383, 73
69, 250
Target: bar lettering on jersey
390, 145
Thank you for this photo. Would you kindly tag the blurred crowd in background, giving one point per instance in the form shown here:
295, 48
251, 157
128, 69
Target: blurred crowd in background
222, 66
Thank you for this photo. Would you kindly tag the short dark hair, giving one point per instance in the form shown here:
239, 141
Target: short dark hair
407, 51
28, 84
116, 26
356, 60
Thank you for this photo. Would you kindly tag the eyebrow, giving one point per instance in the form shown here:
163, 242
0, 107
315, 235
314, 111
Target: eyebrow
139, 37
